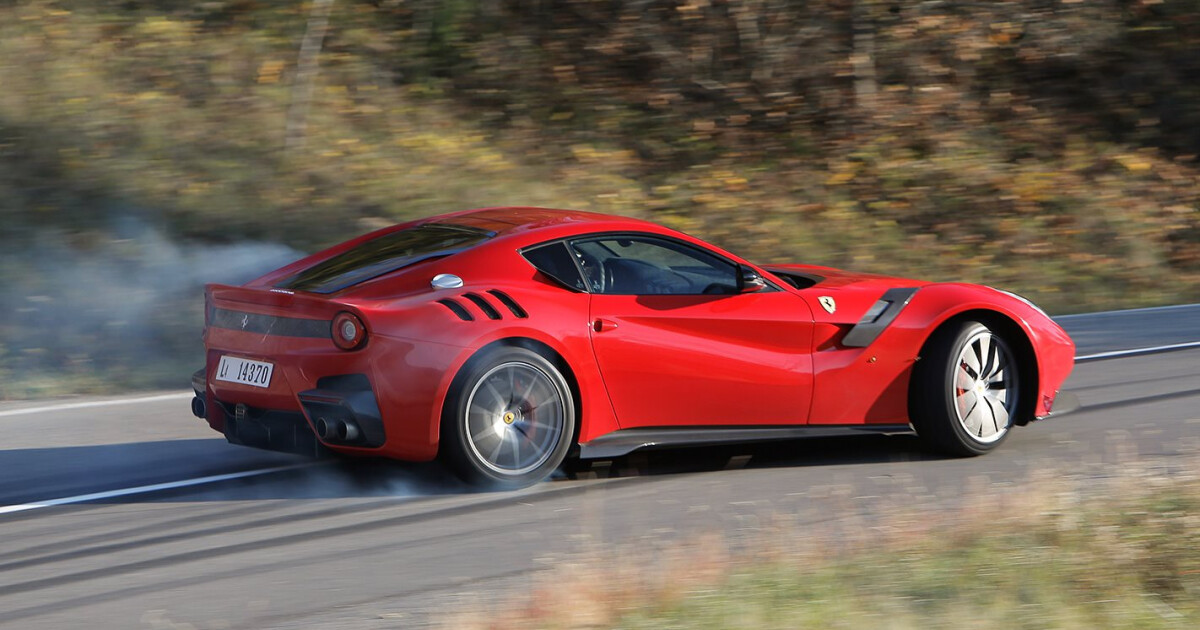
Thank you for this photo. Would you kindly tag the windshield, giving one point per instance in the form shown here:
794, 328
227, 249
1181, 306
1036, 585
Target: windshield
383, 255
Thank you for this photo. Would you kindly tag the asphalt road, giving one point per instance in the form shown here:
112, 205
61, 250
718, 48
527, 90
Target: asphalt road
396, 546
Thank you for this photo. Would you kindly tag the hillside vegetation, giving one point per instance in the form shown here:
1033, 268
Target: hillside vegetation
1045, 147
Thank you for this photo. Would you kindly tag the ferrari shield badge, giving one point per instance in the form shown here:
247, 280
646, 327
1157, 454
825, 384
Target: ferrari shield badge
827, 303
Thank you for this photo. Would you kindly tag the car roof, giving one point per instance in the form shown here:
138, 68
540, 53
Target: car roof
504, 220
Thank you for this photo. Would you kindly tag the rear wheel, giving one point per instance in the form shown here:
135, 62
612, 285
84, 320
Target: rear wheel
509, 420
965, 389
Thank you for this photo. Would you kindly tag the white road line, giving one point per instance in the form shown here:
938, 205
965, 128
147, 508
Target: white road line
123, 492
1173, 307
1136, 351
95, 403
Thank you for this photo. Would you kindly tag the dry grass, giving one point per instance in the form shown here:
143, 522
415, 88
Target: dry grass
1060, 552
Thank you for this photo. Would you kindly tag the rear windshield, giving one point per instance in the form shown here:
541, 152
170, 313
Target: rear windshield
383, 255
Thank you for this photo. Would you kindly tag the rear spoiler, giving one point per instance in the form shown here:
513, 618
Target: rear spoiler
268, 301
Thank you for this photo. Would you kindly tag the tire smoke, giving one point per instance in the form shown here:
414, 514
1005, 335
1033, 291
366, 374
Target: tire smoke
122, 308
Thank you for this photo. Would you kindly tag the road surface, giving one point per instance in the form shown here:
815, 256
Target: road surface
154, 533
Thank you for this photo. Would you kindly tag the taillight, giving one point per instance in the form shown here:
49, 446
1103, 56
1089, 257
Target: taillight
348, 331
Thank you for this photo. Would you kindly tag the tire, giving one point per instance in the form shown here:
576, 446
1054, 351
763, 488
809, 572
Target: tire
965, 390
508, 420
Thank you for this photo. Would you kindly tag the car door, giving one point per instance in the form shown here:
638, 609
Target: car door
679, 343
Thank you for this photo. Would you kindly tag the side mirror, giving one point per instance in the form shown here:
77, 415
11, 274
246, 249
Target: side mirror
749, 281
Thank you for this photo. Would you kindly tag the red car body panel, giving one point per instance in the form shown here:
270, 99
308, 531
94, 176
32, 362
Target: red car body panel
773, 357
695, 360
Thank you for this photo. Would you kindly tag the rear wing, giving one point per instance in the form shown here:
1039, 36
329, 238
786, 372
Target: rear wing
278, 302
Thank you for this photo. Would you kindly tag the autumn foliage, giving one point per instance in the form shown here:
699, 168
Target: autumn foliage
1046, 147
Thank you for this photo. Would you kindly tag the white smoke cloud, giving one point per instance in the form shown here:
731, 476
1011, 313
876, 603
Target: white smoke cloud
127, 304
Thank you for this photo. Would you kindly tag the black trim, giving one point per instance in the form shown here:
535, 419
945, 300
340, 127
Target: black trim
507, 301
797, 279
878, 317
270, 324
483, 305
626, 441
200, 381
589, 236
313, 279
347, 397
457, 309
270, 429
576, 283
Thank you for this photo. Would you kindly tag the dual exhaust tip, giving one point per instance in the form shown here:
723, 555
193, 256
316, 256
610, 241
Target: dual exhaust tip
337, 430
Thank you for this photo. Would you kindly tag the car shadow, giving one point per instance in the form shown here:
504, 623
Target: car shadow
180, 470
199, 470
795, 453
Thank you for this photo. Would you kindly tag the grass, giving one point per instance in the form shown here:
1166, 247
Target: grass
1066, 554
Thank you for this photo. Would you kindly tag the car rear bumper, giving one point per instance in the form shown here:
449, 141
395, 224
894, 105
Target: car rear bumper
345, 401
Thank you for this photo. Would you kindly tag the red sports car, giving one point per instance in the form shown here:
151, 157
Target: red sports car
505, 340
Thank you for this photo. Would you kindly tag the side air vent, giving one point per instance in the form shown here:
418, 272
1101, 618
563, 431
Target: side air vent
507, 300
457, 309
483, 305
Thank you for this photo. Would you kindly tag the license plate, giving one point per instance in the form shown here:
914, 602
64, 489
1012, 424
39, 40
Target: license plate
244, 371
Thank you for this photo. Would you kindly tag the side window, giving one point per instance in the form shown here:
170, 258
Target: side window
641, 265
555, 261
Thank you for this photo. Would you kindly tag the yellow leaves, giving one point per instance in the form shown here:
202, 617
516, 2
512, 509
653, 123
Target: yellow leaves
841, 211
843, 172
692, 9
839, 178
163, 28
269, 71
1133, 162
584, 152
1036, 186
736, 184
588, 154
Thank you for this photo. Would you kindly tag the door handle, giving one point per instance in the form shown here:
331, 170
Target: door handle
603, 325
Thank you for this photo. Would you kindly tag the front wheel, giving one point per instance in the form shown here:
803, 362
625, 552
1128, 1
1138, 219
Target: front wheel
965, 390
509, 419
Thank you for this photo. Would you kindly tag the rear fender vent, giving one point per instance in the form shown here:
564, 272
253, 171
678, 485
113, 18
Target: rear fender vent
507, 301
457, 309
483, 305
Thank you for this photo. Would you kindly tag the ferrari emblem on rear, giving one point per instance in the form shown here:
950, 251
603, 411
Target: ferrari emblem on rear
246, 320
827, 303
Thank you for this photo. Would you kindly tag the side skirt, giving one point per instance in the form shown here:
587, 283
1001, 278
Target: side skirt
626, 441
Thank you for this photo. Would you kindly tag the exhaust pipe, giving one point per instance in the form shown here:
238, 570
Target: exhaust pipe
337, 430
198, 408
